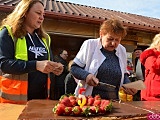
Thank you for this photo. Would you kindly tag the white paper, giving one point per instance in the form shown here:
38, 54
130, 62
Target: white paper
138, 85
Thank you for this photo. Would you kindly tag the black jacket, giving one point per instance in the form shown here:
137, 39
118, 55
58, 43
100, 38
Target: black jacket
59, 80
70, 84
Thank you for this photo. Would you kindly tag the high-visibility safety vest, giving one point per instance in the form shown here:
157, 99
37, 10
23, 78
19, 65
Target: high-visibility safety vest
13, 88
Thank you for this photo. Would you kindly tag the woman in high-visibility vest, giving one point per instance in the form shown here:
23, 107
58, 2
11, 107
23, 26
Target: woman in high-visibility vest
25, 55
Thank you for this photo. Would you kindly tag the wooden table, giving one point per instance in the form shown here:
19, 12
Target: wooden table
42, 109
10, 111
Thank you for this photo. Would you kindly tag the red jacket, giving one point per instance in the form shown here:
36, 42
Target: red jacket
150, 58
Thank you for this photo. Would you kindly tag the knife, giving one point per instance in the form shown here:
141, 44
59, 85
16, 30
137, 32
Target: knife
109, 85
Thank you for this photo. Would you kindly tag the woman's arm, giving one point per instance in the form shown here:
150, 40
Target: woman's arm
78, 72
7, 62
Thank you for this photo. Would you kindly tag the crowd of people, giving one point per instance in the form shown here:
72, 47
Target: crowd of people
29, 70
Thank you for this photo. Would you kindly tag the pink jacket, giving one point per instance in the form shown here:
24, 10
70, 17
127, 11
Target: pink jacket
150, 58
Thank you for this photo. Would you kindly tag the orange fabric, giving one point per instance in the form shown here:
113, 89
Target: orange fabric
14, 86
48, 82
48, 86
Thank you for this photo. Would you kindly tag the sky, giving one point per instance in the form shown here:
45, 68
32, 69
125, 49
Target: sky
149, 8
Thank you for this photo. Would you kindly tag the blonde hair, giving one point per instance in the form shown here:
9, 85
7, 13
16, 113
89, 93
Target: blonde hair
113, 26
69, 64
17, 17
155, 42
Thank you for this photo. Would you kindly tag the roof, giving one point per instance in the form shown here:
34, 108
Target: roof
89, 14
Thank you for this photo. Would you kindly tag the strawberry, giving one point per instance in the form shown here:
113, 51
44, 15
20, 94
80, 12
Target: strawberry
89, 96
97, 97
62, 97
76, 110
68, 111
104, 102
71, 97
97, 102
90, 101
59, 109
102, 110
106, 105
66, 102
86, 110
94, 109
73, 102
109, 107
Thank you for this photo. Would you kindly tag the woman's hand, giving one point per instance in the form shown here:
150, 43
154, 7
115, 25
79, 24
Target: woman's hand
58, 68
92, 80
130, 91
47, 66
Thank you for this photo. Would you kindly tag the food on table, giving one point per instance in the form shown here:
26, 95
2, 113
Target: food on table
82, 105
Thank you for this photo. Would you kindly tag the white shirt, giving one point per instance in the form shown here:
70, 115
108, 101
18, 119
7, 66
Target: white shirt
139, 74
91, 57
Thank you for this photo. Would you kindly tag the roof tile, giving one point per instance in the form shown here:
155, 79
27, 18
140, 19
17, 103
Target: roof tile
91, 13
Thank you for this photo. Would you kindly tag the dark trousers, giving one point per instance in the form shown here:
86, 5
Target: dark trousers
137, 96
58, 91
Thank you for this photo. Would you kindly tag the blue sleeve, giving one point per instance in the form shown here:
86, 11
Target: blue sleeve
126, 79
78, 72
8, 64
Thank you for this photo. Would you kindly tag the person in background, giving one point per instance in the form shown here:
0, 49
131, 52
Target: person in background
139, 72
59, 80
70, 83
150, 58
103, 60
129, 67
25, 55
138, 67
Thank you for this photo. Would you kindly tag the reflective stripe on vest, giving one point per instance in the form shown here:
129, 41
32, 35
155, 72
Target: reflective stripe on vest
13, 88
14, 97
